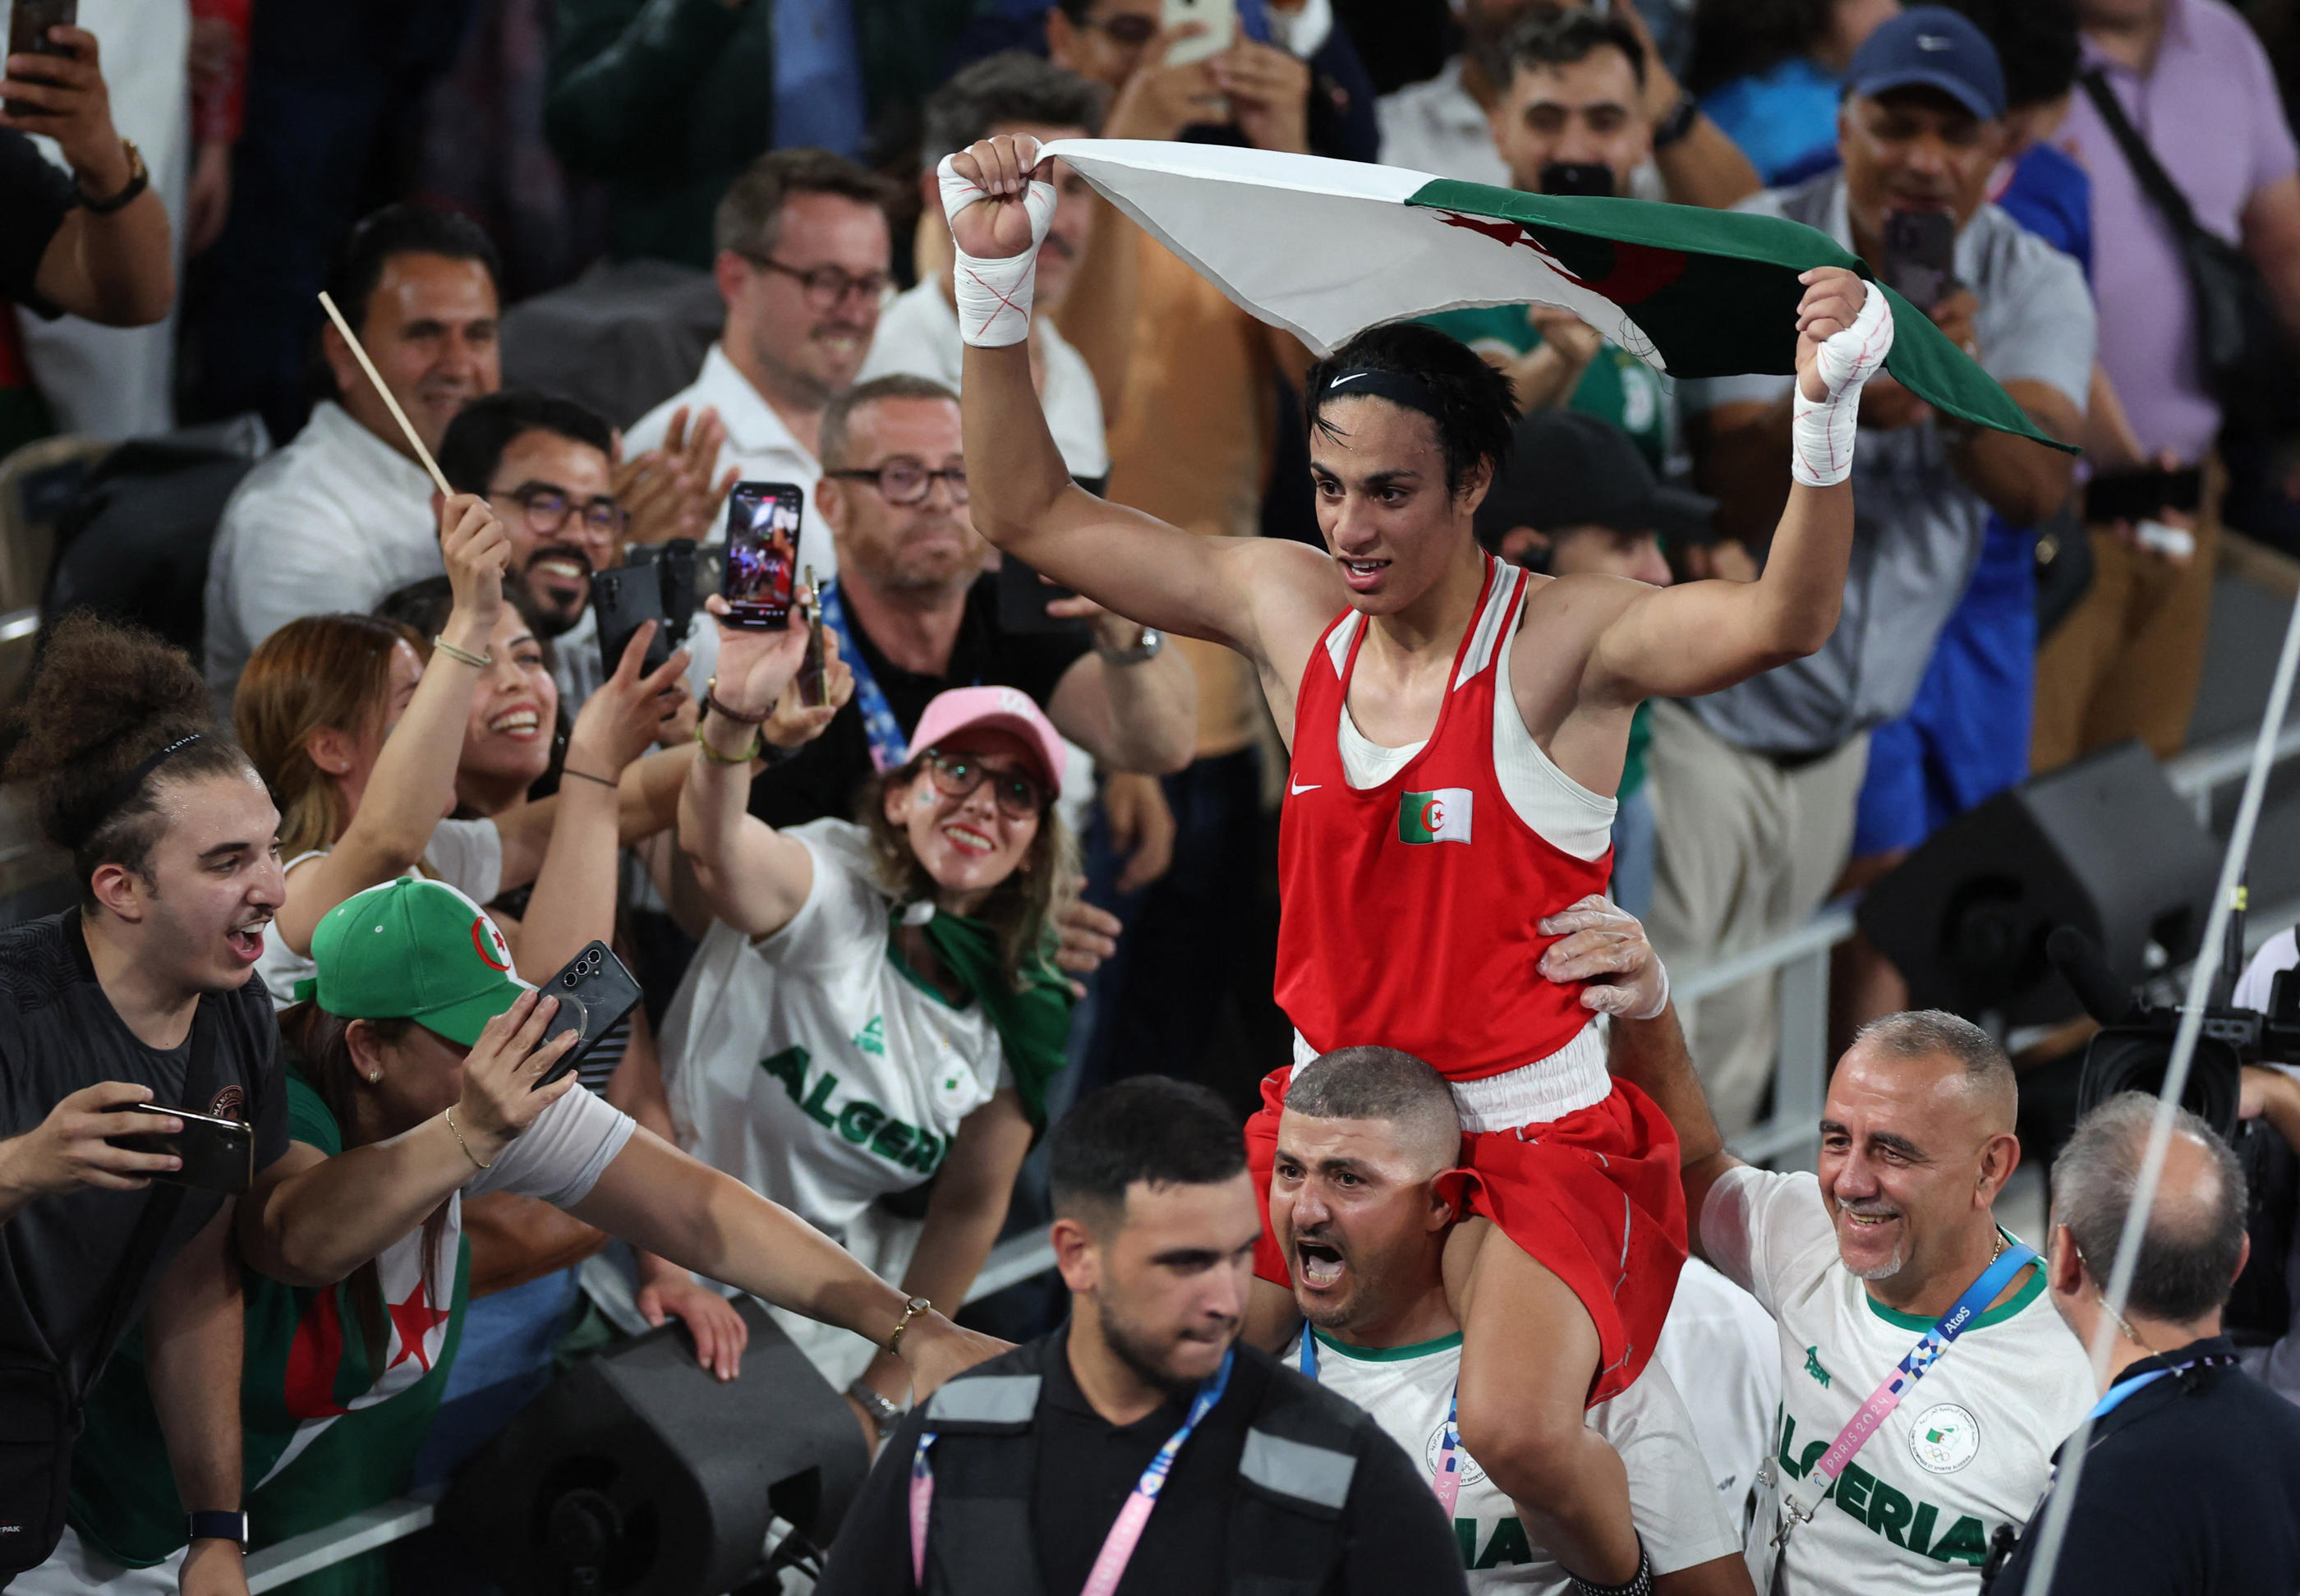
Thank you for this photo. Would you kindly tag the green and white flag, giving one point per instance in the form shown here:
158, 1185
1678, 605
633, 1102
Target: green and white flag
1439, 817
1328, 248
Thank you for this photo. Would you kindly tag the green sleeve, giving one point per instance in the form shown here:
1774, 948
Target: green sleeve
308, 1119
623, 77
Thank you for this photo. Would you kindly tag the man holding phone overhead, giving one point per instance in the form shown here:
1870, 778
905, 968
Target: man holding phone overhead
1778, 760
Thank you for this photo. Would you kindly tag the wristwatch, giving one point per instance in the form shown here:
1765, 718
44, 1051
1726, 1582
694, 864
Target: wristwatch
883, 1413
217, 1526
1152, 643
910, 1311
139, 178
1673, 128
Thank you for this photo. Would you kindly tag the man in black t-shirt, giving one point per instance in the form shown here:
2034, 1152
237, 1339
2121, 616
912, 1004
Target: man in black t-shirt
922, 616
1272, 1477
145, 993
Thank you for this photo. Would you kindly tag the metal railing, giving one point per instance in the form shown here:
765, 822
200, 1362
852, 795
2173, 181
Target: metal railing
1800, 1085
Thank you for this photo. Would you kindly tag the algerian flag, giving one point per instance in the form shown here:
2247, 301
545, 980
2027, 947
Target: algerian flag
1439, 817
1328, 248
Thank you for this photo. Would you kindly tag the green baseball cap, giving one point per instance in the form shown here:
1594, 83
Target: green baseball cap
415, 949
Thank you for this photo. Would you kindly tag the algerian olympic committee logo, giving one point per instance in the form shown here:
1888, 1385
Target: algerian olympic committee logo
1944, 1438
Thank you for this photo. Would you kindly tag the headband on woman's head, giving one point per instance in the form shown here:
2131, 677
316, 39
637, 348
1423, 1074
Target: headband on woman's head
1399, 388
119, 792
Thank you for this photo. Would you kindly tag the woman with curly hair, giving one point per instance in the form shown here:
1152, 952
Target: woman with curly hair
873, 1008
136, 1002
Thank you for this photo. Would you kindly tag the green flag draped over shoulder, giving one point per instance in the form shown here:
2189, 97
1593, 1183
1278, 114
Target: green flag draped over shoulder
1328, 248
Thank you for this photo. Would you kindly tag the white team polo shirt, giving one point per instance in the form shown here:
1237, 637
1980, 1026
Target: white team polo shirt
1408, 1391
1968, 1450
813, 1065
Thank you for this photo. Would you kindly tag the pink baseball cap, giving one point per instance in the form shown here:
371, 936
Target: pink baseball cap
955, 710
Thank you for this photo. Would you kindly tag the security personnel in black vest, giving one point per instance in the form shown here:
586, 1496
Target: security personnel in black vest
1143, 1449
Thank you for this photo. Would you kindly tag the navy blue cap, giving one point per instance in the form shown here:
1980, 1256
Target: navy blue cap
1938, 48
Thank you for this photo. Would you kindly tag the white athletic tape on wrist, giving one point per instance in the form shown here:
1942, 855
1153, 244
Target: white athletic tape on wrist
994, 296
1821, 433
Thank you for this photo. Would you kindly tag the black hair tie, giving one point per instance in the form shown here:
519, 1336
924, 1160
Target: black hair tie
119, 792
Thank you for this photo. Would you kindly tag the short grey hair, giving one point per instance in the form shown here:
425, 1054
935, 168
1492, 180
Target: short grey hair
748, 220
1012, 86
2195, 1237
838, 416
1383, 1084
1936, 1033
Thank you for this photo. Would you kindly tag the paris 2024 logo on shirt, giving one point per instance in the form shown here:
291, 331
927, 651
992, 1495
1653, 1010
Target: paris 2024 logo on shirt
1944, 1438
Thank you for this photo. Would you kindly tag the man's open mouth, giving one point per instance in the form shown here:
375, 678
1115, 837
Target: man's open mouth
1322, 1265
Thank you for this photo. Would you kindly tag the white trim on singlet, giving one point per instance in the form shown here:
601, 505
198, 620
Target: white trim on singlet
1571, 1078
1488, 635
1337, 641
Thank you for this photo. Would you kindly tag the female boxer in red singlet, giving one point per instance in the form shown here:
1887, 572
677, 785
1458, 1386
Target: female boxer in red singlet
1457, 728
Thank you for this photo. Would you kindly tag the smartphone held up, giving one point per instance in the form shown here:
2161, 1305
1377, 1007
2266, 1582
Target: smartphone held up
28, 21
763, 533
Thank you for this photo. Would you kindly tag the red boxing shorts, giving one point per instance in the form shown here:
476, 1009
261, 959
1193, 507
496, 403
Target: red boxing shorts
1594, 1198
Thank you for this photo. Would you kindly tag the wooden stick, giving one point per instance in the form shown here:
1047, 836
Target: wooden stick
391, 404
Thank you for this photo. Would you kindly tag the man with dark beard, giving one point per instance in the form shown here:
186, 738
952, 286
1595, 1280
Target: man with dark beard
1143, 1448
546, 466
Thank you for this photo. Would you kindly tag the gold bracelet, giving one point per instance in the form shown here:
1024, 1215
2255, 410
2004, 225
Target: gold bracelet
449, 1116
755, 751
463, 655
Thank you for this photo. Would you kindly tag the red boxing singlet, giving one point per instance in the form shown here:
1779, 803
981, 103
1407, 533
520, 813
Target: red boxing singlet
1407, 910
1407, 920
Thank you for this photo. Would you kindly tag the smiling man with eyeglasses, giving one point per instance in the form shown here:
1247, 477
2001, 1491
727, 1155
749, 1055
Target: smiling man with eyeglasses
545, 467
802, 265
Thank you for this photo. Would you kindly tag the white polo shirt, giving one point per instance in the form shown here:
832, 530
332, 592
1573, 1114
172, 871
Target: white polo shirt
1968, 1451
334, 522
758, 446
1408, 1391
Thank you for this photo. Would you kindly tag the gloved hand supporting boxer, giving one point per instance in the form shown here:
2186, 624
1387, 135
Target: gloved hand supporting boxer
993, 291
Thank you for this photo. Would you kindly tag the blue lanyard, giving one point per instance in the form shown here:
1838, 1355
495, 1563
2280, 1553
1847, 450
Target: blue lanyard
1125, 1534
1446, 1479
2116, 1395
890, 749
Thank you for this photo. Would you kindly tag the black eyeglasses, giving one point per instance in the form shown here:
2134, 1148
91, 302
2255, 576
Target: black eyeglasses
548, 507
957, 775
905, 481
827, 286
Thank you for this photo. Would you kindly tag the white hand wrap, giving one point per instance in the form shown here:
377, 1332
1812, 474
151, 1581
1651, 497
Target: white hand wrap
994, 296
1821, 434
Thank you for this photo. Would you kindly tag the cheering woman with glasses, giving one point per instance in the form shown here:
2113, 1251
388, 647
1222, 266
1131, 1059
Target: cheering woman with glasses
874, 1006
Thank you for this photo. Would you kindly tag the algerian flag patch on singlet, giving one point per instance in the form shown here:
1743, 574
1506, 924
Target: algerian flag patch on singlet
1439, 817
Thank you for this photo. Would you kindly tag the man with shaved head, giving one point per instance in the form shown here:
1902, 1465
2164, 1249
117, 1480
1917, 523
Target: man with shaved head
1889, 1269
2191, 1480
1365, 1190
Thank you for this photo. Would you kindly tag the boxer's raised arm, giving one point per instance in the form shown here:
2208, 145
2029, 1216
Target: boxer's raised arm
1023, 500
1679, 642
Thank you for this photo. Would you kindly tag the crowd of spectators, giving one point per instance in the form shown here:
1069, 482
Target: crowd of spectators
1015, 849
